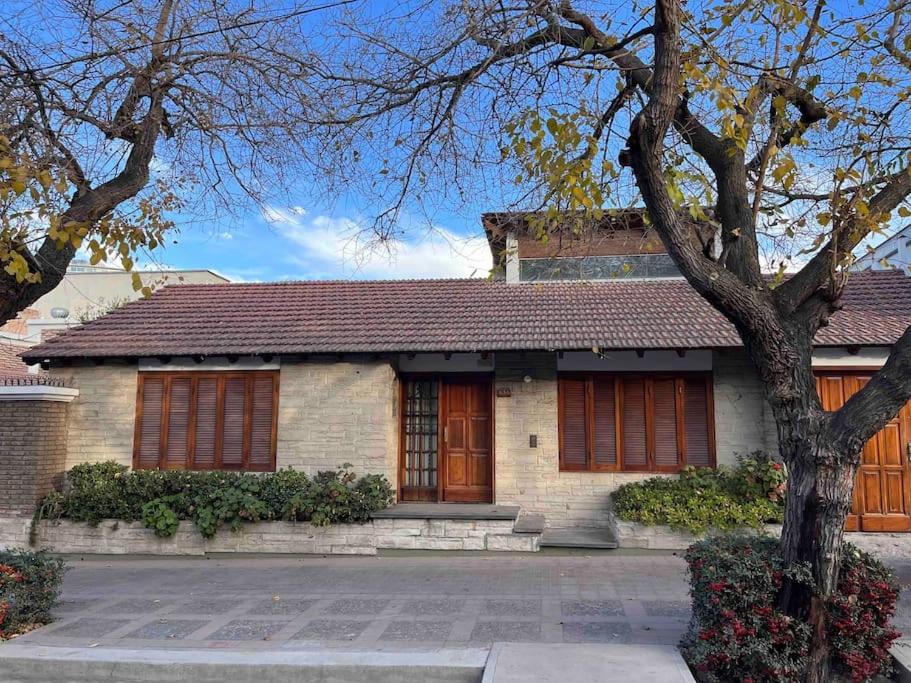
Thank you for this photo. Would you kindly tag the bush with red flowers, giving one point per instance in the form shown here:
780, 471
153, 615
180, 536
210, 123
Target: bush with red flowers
29, 586
738, 633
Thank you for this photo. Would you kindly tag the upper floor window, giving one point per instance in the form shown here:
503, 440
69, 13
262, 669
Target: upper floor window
598, 267
206, 421
638, 423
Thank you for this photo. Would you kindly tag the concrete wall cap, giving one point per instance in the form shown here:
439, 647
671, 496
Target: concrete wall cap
37, 392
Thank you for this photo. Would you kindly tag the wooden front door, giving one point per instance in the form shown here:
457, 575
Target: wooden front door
882, 492
446, 439
467, 444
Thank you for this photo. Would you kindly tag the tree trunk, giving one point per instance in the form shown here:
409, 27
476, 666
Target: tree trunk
820, 484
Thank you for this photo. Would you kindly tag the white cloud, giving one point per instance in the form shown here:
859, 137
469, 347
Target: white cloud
338, 247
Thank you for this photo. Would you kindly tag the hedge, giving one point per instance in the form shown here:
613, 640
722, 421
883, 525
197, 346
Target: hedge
749, 495
737, 632
29, 588
162, 498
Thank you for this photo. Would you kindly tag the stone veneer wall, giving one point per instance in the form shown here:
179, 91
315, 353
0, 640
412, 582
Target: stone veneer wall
331, 413
530, 477
118, 538
32, 453
743, 421
635, 535
102, 418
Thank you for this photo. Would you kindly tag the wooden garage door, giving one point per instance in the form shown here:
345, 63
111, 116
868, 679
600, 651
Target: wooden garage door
882, 493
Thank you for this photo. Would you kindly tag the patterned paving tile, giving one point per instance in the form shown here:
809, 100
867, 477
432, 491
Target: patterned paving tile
248, 629
417, 630
75, 605
137, 606
506, 631
88, 627
503, 608
666, 608
592, 608
164, 629
356, 607
433, 607
282, 606
331, 629
596, 632
206, 606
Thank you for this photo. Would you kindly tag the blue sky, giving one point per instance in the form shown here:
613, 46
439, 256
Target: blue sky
307, 241
306, 236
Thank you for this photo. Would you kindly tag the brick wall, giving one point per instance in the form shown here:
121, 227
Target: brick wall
32, 452
102, 417
332, 413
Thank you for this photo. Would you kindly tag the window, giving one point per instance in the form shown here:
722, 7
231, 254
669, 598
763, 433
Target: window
598, 267
420, 437
635, 423
206, 421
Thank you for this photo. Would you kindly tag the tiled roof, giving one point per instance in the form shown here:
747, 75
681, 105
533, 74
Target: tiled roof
448, 315
11, 364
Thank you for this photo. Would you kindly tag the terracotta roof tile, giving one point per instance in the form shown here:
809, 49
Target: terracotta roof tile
448, 315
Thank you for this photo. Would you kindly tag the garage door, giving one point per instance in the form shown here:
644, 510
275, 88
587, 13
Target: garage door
882, 493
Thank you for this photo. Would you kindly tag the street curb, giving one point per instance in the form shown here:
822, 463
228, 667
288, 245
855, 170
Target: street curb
28, 663
901, 656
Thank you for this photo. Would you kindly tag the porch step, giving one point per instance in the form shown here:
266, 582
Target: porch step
469, 511
529, 524
579, 538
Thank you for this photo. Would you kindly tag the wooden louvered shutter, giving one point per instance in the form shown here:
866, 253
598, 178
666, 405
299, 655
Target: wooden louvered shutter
664, 423
204, 452
696, 423
573, 441
232, 443
604, 424
147, 449
178, 409
635, 442
262, 409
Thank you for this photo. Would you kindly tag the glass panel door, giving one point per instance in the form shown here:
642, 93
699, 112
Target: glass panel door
420, 434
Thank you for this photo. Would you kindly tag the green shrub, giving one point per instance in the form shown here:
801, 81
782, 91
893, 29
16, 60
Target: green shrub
737, 632
162, 498
749, 495
29, 587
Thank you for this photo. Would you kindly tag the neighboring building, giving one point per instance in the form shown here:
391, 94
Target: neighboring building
542, 394
88, 291
893, 253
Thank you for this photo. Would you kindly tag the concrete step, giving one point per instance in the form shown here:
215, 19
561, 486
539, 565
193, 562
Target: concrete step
34, 663
559, 663
579, 537
529, 524
462, 511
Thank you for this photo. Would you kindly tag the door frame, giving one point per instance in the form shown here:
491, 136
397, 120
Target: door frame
440, 378
854, 523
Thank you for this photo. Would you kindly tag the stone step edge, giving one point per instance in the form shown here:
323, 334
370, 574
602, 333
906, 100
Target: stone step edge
24, 662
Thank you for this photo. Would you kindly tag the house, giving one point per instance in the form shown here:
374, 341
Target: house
589, 363
893, 253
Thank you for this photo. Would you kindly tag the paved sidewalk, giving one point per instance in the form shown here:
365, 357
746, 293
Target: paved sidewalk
411, 602
439, 601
